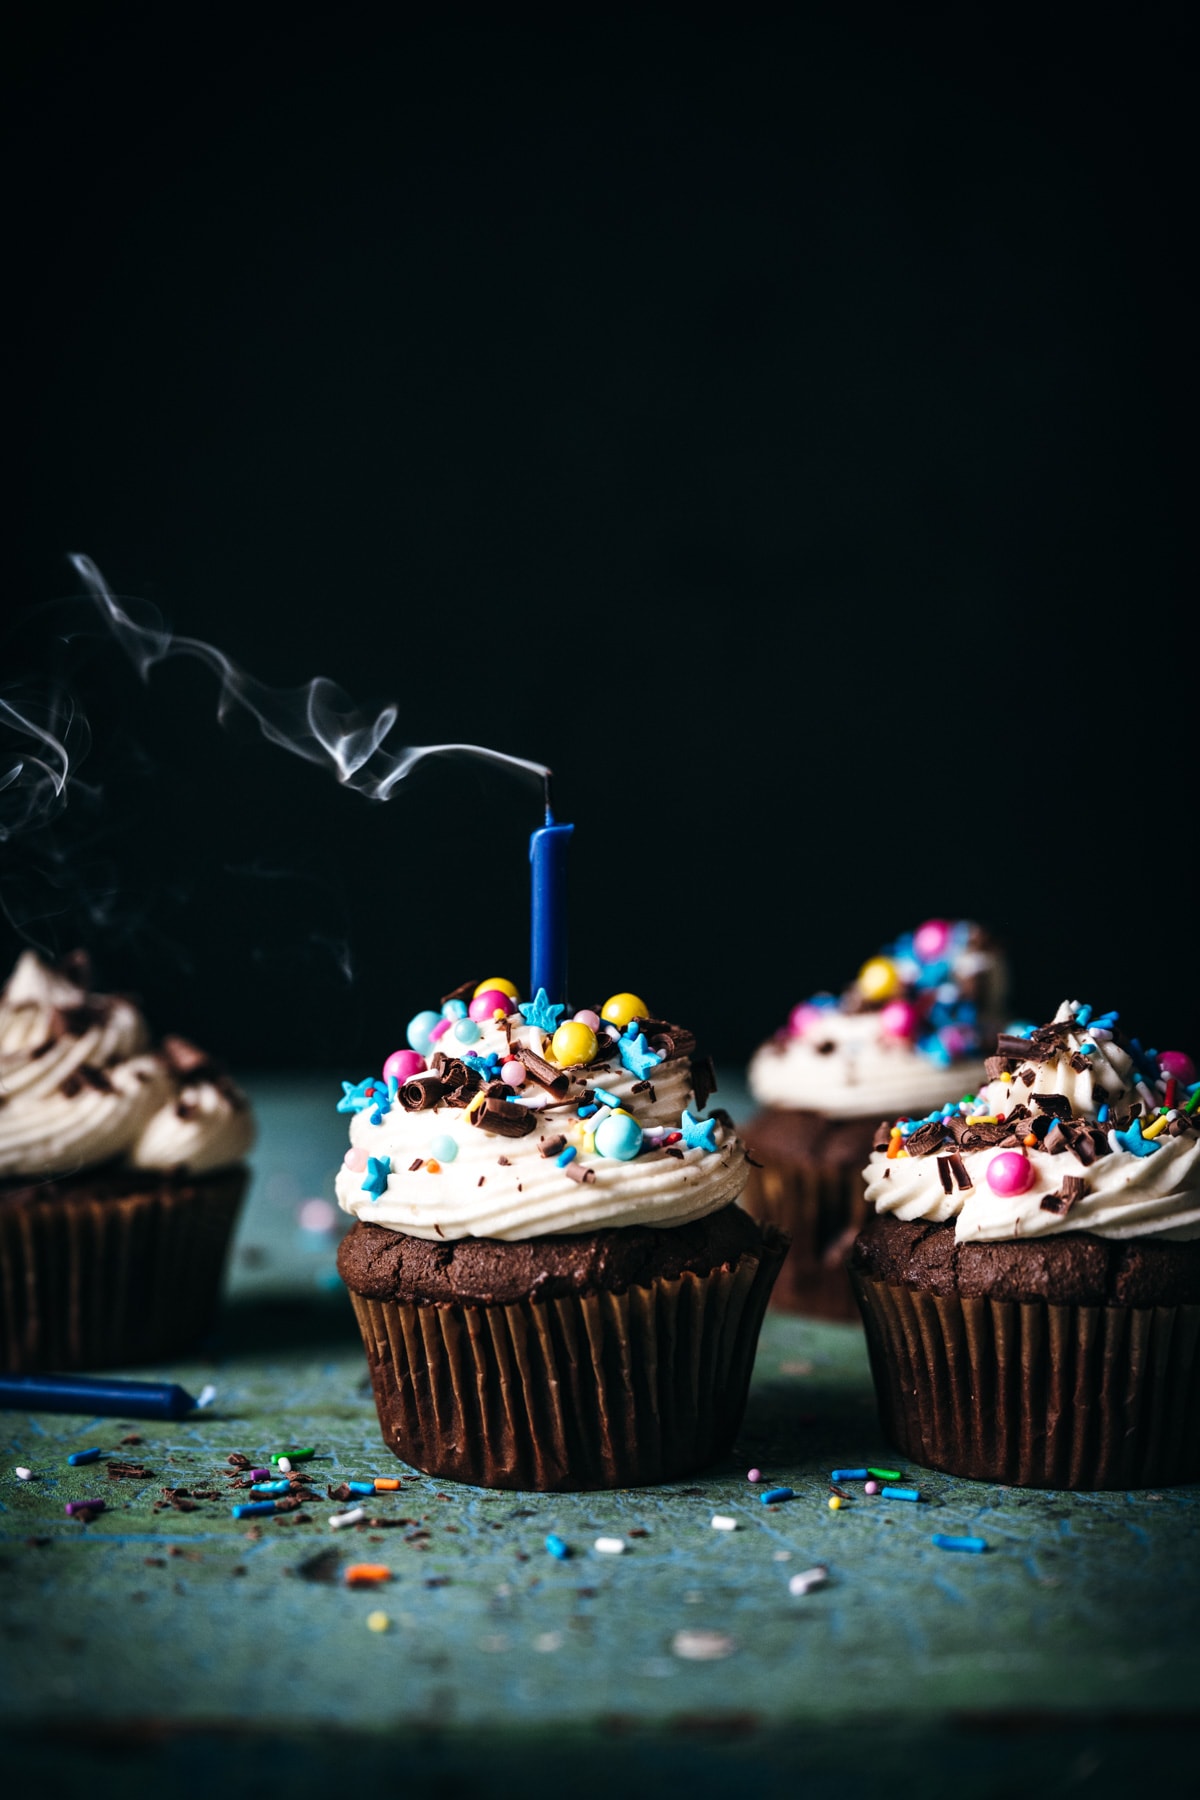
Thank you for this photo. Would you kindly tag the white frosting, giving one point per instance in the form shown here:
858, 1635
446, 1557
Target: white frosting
121, 1098
1127, 1195
867, 1074
531, 1196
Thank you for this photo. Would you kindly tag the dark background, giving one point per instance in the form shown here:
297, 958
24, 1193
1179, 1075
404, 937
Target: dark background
774, 421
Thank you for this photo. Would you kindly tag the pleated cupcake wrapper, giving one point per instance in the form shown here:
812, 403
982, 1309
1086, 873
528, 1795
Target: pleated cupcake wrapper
90, 1283
821, 1206
1036, 1394
592, 1391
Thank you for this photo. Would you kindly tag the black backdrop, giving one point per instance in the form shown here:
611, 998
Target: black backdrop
773, 421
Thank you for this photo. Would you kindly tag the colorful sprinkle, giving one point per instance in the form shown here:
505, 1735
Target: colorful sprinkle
723, 1522
294, 1456
557, 1547
378, 1170
773, 1495
848, 1474
340, 1521
944, 1540
885, 1474
366, 1574
808, 1579
378, 1621
898, 1493
610, 1546
78, 1457
254, 1509
698, 1134
74, 1507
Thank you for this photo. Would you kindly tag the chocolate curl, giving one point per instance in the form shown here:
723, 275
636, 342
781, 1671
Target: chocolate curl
926, 1139
704, 1080
555, 1081
185, 1059
573, 1172
1073, 1188
421, 1093
1058, 1104
501, 1117
463, 992
669, 1040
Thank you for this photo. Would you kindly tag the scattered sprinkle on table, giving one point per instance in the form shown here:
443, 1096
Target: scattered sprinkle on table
773, 1495
260, 1474
78, 1457
722, 1522
366, 1574
262, 1488
835, 1502
283, 1464
870, 1487
557, 1546
208, 1394
360, 1487
377, 1621
386, 1484
895, 1493
945, 1540
339, 1521
885, 1474
703, 1646
74, 1507
295, 1456
754, 1475
609, 1546
807, 1579
23, 1474
848, 1474
254, 1509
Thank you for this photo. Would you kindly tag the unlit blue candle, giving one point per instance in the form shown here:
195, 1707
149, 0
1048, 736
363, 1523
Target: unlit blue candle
548, 911
89, 1395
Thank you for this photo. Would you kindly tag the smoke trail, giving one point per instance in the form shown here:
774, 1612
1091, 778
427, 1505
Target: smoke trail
317, 721
41, 743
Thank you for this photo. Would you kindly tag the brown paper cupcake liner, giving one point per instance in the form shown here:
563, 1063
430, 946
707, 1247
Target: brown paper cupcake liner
594, 1390
89, 1281
1035, 1393
821, 1206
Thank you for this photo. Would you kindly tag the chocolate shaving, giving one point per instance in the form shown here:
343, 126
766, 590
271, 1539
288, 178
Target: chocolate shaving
669, 1040
1078, 1062
418, 1162
1028, 1076
235, 1458
1058, 1104
184, 1058
463, 992
552, 1145
128, 1471
1019, 1049
420, 1093
995, 1066
502, 1118
944, 1175
555, 1081
958, 1169
926, 1139
1073, 1188
86, 1075
704, 1079
573, 1172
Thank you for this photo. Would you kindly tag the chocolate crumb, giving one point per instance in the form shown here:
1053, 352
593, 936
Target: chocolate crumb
236, 1458
1073, 1188
504, 1162
417, 1163
552, 1145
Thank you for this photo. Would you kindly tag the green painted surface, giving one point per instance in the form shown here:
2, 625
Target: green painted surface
1083, 1605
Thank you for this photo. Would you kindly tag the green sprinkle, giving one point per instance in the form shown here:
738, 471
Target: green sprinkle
294, 1455
1193, 1103
885, 1474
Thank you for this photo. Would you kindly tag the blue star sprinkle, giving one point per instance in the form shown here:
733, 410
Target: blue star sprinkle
378, 1170
539, 1012
1133, 1141
487, 1066
698, 1134
636, 1053
372, 1091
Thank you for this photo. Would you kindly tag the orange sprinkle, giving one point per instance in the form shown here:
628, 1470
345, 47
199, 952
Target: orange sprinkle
386, 1484
1029, 1141
894, 1142
434, 1166
366, 1574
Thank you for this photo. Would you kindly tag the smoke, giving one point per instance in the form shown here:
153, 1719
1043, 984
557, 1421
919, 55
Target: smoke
42, 743
317, 721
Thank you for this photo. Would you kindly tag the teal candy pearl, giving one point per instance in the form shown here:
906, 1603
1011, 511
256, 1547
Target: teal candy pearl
444, 1149
620, 1137
419, 1030
454, 1009
466, 1031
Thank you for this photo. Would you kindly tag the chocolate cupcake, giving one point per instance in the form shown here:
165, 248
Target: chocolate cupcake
906, 1035
121, 1173
554, 1284
1030, 1279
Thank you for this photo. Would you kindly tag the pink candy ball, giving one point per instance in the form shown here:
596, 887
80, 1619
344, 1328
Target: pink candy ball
754, 1475
1178, 1064
354, 1159
440, 1029
802, 1018
870, 1487
1009, 1173
588, 1018
899, 1019
402, 1065
513, 1073
931, 939
484, 1006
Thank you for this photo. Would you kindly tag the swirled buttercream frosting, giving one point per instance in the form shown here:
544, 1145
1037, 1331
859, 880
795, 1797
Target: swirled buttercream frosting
82, 1083
1078, 1128
908, 1031
510, 1120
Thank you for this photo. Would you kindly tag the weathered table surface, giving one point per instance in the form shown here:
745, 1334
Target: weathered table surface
189, 1648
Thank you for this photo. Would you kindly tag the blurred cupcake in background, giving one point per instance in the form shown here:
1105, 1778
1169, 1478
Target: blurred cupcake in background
907, 1035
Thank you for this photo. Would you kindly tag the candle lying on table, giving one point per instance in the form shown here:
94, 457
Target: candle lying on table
95, 1394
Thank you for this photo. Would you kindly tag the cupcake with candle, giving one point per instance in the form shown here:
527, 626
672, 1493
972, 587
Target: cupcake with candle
906, 1035
1029, 1274
555, 1286
121, 1173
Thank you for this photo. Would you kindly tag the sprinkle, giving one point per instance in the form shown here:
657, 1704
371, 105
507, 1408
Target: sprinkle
608, 1099
271, 1487
23, 1474
703, 1646
1102, 1116
610, 1546
871, 1487
895, 1493
283, 1463
1158, 1125
354, 1517
885, 1474
208, 1394
835, 1502
754, 1475
83, 1456
848, 1474
566, 1156
944, 1540
722, 1522
74, 1507
361, 1487
378, 1170
586, 1112
807, 1579
295, 1456
1194, 1102
698, 1134
260, 1474
557, 1546
366, 1574
774, 1494
254, 1509
378, 1621
386, 1484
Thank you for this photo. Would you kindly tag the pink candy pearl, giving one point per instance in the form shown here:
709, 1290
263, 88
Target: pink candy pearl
1009, 1173
802, 1017
899, 1019
1178, 1064
354, 1159
513, 1073
402, 1065
754, 1475
440, 1029
484, 1006
590, 1019
870, 1487
931, 938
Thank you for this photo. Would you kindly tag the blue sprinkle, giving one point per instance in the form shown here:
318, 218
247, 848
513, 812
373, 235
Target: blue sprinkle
607, 1099
254, 1509
892, 1493
848, 1474
262, 1488
774, 1494
1102, 1115
566, 1156
585, 1112
1081, 1018
361, 1487
557, 1546
944, 1540
83, 1456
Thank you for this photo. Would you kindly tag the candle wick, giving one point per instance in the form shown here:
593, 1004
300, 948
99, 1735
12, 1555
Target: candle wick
549, 808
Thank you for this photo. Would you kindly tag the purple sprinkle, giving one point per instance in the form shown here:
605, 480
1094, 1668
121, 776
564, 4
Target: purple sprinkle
261, 1474
82, 1506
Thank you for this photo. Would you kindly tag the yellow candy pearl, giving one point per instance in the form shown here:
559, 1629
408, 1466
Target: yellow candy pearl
573, 1043
835, 1503
621, 1009
878, 979
498, 983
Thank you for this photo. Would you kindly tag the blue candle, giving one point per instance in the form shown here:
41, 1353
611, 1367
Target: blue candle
548, 949
91, 1395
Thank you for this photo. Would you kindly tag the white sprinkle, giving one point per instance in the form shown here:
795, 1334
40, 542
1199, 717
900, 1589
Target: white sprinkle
284, 1465
23, 1474
610, 1546
548, 1641
809, 1578
702, 1646
722, 1522
353, 1517
782, 1556
207, 1395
